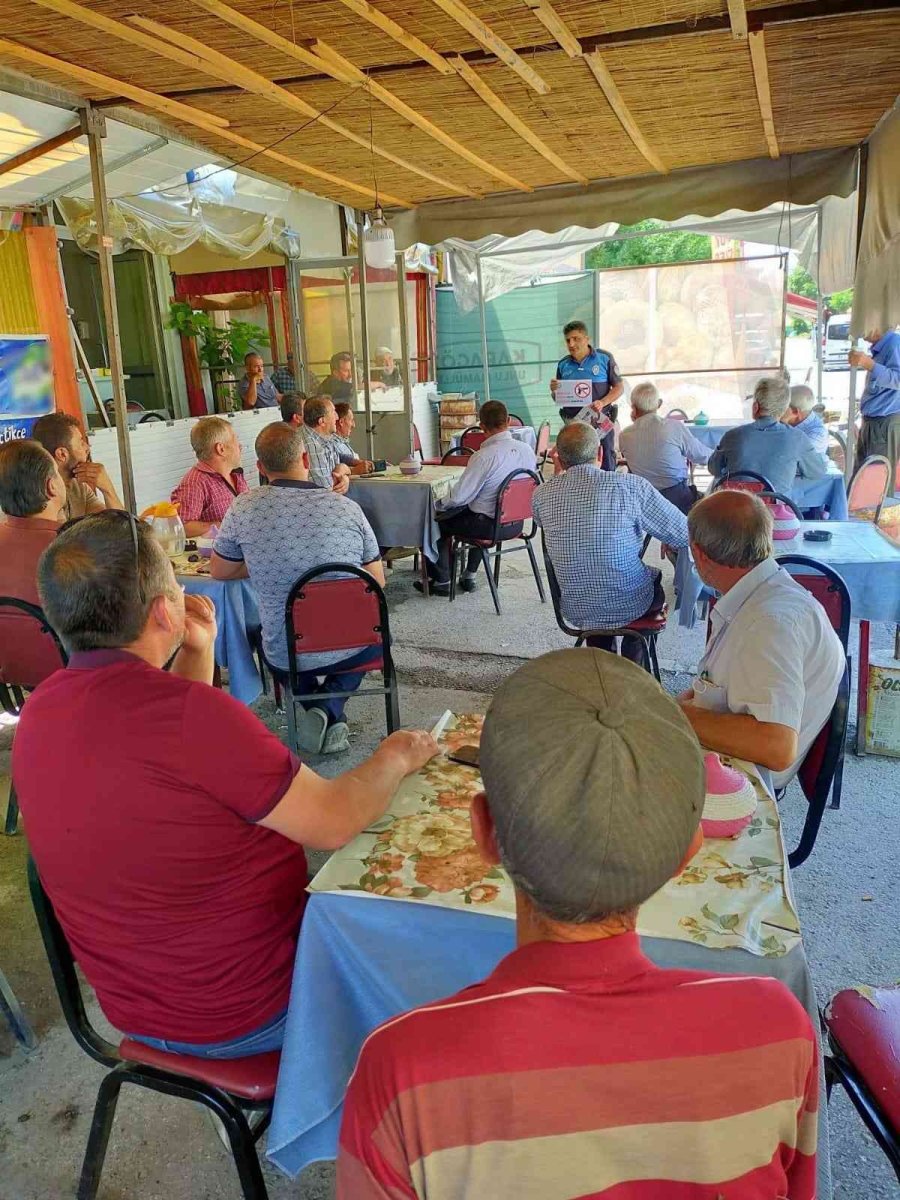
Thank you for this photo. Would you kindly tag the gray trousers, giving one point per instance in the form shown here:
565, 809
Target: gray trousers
880, 435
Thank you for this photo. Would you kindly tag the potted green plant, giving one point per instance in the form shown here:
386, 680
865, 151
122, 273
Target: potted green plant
221, 349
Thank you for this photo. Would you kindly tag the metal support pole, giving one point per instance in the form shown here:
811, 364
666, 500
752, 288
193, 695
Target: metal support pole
405, 372
94, 126
860, 215
820, 308
295, 296
364, 328
485, 366
348, 305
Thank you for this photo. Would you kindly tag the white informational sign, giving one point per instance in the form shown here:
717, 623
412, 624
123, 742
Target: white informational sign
570, 392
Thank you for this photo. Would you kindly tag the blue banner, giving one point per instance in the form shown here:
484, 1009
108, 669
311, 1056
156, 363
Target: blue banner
26, 383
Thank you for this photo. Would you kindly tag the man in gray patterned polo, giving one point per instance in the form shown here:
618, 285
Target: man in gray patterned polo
275, 535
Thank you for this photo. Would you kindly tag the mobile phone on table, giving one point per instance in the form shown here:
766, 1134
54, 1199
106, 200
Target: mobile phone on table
467, 755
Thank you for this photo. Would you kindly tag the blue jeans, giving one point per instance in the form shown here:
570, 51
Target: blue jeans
349, 681
258, 1041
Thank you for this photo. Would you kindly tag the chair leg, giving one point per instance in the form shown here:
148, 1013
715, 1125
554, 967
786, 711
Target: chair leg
276, 691
454, 555
12, 1010
490, 578
243, 1150
392, 705
291, 712
498, 559
537, 574
654, 658
98, 1139
12, 812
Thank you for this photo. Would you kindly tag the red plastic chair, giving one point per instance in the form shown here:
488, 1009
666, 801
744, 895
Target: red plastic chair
473, 438
742, 481
542, 446
647, 629
458, 457
345, 613
30, 651
864, 1038
417, 449
868, 489
228, 1087
513, 505
516, 422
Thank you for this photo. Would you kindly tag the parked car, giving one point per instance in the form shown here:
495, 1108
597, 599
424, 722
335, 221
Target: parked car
837, 342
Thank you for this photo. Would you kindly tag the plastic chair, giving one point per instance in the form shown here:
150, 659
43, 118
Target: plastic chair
742, 481
457, 457
228, 1087
516, 421
773, 498
677, 414
837, 453
347, 613
542, 446
29, 652
647, 629
417, 449
863, 1027
513, 505
868, 489
472, 438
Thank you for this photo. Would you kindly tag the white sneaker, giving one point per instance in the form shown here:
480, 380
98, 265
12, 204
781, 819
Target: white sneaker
311, 726
337, 738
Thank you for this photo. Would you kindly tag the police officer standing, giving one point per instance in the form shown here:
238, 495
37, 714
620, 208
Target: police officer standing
598, 367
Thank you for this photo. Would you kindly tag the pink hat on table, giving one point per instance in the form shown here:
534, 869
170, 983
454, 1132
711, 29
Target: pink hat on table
730, 800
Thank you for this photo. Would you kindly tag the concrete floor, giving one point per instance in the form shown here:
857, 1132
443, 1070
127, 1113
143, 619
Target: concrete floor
448, 657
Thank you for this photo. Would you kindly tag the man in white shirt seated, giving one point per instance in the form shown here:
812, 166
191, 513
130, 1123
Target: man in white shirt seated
661, 450
768, 679
800, 414
470, 508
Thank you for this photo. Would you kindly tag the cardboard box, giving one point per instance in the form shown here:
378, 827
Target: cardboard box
883, 714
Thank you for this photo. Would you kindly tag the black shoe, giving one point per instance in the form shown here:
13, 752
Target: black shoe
468, 583
436, 589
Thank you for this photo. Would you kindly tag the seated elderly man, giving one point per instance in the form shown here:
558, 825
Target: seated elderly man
768, 680
594, 524
62, 436
470, 508
579, 1067
767, 446
345, 423
388, 373
32, 497
660, 450
326, 469
206, 492
194, 816
274, 535
801, 416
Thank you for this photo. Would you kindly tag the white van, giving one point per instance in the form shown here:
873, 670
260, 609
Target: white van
837, 343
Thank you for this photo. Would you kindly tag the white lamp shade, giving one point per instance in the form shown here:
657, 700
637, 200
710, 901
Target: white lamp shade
378, 244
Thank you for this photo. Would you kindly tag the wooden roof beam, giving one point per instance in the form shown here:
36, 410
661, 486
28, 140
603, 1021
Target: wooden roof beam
232, 71
416, 118
118, 87
493, 101
494, 43
600, 71
363, 9
556, 26
737, 15
757, 42
24, 157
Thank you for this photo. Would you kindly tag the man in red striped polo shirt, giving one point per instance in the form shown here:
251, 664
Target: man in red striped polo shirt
578, 1068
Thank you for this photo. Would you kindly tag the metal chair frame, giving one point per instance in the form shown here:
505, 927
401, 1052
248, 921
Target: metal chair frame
12, 695
647, 637
473, 429
839, 1068
737, 477
779, 497
542, 455
677, 414
390, 690
454, 454
498, 545
873, 458
230, 1109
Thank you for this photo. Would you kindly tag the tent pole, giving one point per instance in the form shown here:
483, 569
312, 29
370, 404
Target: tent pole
94, 126
485, 366
364, 329
295, 297
406, 372
860, 214
820, 307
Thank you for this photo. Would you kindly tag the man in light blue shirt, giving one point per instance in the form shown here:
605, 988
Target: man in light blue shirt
766, 446
256, 390
594, 525
661, 449
801, 416
470, 508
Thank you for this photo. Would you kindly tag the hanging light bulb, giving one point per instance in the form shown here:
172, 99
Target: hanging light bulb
378, 241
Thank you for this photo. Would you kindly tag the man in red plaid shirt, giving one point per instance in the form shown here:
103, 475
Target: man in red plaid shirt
207, 490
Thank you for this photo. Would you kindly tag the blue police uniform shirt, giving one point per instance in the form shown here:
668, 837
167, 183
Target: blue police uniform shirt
599, 367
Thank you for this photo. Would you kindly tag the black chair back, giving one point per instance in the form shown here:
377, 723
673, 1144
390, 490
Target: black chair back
772, 498
821, 767
827, 586
733, 479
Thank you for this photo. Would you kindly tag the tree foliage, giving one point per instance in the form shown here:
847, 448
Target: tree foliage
801, 283
667, 246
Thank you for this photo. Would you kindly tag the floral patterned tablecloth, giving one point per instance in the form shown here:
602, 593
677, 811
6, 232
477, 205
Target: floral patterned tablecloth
734, 893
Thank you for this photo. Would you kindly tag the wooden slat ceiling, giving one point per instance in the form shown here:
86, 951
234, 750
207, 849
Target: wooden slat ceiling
683, 88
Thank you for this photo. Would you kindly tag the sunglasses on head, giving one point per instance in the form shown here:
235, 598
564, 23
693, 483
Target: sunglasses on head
119, 516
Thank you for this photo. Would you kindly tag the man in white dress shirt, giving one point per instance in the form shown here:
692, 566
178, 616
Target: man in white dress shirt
469, 509
769, 677
661, 450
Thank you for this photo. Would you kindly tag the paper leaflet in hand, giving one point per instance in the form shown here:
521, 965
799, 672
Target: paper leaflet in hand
599, 420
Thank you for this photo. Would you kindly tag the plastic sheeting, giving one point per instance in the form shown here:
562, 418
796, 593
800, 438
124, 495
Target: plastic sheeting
876, 301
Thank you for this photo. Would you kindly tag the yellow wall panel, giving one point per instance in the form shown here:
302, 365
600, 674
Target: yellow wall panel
18, 311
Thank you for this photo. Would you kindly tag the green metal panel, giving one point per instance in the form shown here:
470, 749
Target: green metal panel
525, 342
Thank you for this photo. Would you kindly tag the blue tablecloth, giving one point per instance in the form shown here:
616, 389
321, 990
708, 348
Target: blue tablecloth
236, 612
362, 960
711, 434
829, 493
867, 561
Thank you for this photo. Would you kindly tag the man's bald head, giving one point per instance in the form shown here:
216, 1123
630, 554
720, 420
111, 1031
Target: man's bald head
733, 528
280, 449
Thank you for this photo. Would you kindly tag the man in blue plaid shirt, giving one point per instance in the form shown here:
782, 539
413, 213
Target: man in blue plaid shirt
594, 525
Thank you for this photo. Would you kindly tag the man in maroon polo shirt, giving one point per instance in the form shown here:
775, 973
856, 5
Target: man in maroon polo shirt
205, 494
32, 496
173, 852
